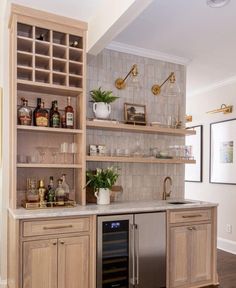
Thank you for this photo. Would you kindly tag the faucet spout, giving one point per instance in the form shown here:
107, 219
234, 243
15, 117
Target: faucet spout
165, 193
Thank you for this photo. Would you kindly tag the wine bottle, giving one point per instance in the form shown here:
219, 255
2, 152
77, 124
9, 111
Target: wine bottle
36, 109
55, 118
69, 114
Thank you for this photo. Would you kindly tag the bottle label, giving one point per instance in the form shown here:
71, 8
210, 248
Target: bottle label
69, 119
42, 121
55, 120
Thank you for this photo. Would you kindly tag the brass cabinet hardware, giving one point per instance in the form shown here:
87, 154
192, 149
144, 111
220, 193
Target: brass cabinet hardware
190, 228
62, 242
192, 216
57, 227
194, 228
54, 243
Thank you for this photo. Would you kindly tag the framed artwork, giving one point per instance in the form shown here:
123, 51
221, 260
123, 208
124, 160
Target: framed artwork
223, 152
193, 172
135, 114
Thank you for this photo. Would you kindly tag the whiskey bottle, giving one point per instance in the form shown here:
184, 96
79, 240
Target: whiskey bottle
32, 194
42, 116
69, 114
60, 193
24, 113
36, 109
55, 118
65, 186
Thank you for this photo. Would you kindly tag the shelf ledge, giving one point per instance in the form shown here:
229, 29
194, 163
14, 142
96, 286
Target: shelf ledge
49, 129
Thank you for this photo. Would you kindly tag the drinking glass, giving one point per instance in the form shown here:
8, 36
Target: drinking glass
42, 152
64, 149
54, 152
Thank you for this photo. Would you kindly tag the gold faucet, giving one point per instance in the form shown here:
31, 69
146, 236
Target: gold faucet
166, 194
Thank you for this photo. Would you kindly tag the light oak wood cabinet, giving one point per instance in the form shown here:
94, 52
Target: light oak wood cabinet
191, 248
60, 259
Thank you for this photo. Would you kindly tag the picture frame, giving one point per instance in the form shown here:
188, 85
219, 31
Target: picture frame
194, 172
223, 152
135, 114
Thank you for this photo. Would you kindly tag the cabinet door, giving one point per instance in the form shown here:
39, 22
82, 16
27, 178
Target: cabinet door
40, 264
179, 260
73, 262
201, 254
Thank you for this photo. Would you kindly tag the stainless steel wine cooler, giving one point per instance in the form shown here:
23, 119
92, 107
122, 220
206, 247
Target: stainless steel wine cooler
131, 251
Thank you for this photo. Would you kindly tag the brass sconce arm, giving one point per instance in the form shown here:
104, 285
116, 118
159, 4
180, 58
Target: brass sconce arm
156, 89
120, 83
226, 109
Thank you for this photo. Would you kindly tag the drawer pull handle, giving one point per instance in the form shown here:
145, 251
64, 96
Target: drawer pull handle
62, 242
192, 216
57, 227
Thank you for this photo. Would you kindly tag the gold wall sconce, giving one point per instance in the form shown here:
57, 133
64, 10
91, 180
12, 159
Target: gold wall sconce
120, 83
226, 109
156, 89
188, 118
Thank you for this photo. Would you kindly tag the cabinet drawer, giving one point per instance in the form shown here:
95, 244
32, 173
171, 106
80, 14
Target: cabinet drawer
47, 227
190, 216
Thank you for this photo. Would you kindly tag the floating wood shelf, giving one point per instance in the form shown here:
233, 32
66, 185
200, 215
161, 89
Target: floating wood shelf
138, 160
138, 128
49, 129
42, 165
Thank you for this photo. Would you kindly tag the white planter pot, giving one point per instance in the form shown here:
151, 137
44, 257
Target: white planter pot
103, 196
101, 110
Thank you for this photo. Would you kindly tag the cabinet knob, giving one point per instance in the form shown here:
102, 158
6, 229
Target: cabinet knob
190, 228
54, 243
62, 242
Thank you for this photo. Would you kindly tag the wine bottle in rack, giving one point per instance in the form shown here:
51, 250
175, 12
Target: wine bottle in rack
55, 118
24, 113
69, 114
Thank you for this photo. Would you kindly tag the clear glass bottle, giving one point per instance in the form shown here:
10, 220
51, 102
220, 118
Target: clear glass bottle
32, 194
60, 193
42, 116
55, 118
65, 186
24, 113
39, 100
69, 114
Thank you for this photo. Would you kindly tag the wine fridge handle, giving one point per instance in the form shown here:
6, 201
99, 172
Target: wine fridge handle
137, 253
132, 252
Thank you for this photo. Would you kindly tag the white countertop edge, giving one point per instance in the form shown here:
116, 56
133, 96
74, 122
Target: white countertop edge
126, 207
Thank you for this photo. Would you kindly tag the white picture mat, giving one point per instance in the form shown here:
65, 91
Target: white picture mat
193, 171
220, 133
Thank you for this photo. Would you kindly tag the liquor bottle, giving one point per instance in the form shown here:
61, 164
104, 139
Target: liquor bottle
55, 118
36, 109
65, 186
60, 193
24, 113
32, 194
69, 114
42, 116
51, 190
42, 191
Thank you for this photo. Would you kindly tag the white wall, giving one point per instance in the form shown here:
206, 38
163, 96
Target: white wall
4, 187
225, 195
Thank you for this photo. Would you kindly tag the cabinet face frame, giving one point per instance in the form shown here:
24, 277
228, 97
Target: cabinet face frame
35, 18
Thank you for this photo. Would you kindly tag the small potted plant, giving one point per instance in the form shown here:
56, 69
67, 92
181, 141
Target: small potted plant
102, 180
101, 102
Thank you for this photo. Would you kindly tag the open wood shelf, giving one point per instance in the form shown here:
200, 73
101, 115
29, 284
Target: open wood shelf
138, 128
42, 165
49, 129
138, 160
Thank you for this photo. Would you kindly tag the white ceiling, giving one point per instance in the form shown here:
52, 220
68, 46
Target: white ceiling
189, 29
177, 29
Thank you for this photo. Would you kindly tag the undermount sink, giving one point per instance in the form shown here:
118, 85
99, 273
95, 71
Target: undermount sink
179, 202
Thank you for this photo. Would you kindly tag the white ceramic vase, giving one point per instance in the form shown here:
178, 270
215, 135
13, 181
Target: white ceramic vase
103, 196
101, 110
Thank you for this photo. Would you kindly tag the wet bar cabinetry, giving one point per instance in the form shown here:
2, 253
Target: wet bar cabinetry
47, 61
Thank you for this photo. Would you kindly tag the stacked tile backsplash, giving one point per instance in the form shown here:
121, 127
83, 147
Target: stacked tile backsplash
140, 181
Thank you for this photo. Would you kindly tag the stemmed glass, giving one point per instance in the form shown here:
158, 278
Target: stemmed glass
54, 151
73, 149
42, 152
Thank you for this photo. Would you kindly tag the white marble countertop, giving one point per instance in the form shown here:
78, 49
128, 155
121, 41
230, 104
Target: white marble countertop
114, 208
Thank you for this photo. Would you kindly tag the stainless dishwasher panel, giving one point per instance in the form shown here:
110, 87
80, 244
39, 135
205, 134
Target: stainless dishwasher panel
115, 251
150, 238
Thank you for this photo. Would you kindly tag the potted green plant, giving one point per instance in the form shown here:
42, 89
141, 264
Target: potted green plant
101, 102
102, 180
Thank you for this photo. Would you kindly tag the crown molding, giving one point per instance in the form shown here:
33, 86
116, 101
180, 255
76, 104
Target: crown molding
213, 86
153, 54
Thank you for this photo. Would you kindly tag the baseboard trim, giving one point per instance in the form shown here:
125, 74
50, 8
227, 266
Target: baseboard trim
226, 245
